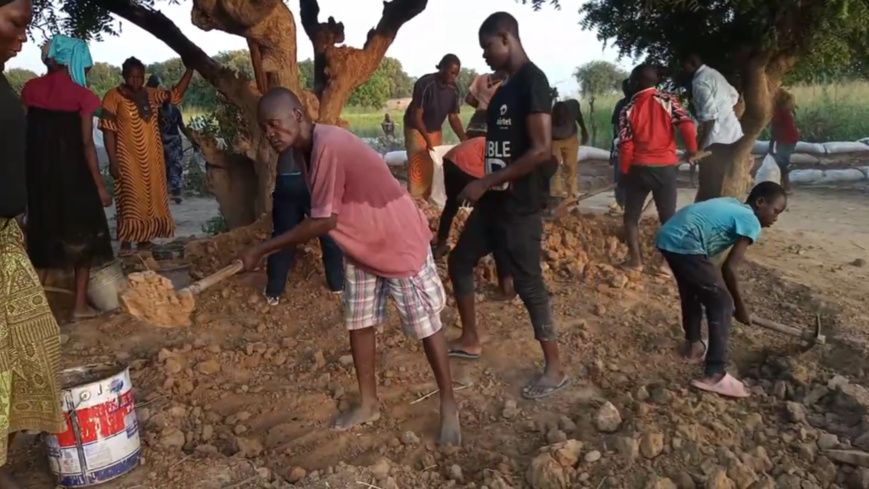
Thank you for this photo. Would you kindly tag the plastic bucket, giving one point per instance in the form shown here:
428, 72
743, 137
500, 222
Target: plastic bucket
178, 274
101, 440
104, 286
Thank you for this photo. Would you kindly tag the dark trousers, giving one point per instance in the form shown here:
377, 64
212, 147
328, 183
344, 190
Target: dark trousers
641, 180
488, 229
617, 172
455, 180
292, 202
702, 286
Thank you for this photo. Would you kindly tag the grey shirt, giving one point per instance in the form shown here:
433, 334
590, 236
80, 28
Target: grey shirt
566, 129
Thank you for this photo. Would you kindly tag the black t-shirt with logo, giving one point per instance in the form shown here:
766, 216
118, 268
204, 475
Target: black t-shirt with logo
525, 93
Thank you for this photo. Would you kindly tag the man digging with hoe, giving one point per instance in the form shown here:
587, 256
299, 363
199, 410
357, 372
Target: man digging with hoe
385, 238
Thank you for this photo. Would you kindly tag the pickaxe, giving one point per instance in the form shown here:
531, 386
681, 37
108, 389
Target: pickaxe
813, 336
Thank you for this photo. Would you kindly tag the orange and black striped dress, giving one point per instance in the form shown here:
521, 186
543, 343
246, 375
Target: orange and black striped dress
141, 195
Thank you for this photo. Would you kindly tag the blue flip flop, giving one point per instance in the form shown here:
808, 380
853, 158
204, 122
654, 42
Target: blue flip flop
547, 391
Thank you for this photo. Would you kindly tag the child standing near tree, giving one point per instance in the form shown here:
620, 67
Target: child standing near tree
785, 134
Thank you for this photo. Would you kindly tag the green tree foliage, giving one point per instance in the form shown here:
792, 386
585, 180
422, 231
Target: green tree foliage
400, 83
464, 80
599, 77
373, 93
102, 77
306, 73
18, 77
725, 32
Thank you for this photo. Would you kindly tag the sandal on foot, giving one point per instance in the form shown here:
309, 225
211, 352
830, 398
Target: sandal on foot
546, 390
459, 353
728, 386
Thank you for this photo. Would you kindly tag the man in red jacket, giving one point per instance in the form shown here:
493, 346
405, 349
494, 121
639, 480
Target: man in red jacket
647, 152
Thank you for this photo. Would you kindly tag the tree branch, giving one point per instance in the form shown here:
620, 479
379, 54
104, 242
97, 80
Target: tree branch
340, 69
234, 86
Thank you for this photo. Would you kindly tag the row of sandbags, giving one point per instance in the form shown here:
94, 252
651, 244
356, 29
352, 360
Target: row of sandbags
819, 149
804, 153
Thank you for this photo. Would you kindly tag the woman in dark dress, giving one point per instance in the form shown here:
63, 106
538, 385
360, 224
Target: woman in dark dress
29, 336
66, 223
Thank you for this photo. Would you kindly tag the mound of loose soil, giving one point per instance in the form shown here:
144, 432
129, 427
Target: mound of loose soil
152, 298
244, 398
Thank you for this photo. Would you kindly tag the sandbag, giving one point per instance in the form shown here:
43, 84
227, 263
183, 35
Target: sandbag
438, 190
838, 148
396, 158
768, 171
842, 176
592, 153
806, 177
760, 148
810, 148
804, 159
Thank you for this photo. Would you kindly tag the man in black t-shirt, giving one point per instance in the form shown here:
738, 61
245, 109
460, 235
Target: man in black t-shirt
510, 198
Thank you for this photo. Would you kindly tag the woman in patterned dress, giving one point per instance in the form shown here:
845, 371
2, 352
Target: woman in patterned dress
130, 124
29, 336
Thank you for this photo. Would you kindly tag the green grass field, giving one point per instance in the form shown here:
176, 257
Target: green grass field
836, 112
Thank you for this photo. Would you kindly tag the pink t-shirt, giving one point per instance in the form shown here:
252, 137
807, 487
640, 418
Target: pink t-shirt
380, 228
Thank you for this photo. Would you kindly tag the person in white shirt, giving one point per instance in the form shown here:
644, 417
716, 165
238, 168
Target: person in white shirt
713, 99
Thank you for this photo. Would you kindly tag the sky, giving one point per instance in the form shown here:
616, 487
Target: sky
553, 38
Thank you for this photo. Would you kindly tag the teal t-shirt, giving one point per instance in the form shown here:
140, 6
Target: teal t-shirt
708, 228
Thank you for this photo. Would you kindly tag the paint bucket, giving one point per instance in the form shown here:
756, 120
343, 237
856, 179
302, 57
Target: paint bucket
101, 440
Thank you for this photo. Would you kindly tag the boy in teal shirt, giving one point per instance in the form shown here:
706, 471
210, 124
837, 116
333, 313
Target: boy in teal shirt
689, 240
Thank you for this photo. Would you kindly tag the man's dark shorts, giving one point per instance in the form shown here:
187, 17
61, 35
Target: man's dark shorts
642, 180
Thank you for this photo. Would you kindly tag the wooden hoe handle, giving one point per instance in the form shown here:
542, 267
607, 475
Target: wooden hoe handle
216, 277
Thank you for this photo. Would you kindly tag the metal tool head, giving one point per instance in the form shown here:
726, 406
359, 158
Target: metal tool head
819, 338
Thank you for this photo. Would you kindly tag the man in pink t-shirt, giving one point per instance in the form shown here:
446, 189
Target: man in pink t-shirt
385, 239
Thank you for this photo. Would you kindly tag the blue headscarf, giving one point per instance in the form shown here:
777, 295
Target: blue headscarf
72, 53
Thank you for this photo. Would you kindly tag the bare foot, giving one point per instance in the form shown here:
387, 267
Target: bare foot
451, 433
464, 349
85, 312
633, 264
694, 352
356, 416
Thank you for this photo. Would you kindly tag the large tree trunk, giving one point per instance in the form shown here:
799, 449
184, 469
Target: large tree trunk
727, 172
241, 173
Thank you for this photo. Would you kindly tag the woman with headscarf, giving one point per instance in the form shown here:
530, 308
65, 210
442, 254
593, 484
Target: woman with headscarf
66, 223
130, 125
29, 336
435, 98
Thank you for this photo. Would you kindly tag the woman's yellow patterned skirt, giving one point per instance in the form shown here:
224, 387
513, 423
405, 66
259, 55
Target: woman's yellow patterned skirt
29, 345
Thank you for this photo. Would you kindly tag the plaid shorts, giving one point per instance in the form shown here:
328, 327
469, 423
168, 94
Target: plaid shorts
419, 299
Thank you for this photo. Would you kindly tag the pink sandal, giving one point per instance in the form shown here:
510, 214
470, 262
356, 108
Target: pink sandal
728, 386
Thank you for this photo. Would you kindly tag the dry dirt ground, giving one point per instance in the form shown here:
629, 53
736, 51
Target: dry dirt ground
243, 398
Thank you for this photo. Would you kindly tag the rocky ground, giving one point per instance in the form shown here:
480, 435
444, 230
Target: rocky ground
243, 397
